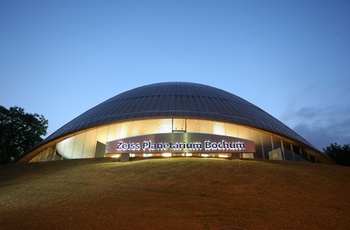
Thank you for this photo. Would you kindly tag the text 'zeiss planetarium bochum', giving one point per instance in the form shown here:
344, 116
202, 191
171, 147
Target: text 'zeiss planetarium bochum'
175, 119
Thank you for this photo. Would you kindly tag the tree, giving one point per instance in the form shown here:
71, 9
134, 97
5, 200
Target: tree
19, 132
340, 154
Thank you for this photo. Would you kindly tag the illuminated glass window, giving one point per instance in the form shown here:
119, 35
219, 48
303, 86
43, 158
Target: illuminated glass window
92, 142
179, 125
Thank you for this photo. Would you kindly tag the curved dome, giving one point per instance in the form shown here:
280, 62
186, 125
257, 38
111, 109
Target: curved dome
177, 99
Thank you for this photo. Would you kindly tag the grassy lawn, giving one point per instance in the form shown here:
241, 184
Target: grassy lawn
174, 193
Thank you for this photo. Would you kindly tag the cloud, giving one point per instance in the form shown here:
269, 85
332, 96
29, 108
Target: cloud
320, 111
322, 126
321, 137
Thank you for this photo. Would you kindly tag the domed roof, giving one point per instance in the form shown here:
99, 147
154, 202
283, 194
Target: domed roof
176, 99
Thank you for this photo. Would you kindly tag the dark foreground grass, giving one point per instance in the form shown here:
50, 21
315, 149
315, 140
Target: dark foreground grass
181, 193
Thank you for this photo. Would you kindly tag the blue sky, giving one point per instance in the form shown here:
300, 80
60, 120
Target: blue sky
290, 58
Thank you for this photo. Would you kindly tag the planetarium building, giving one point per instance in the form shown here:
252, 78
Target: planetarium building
175, 119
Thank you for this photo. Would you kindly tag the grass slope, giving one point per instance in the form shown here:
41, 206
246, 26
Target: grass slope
174, 193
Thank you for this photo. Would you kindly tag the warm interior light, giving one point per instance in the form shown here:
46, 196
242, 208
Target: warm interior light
223, 155
219, 128
205, 155
147, 155
132, 155
166, 154
188, 154
247, 155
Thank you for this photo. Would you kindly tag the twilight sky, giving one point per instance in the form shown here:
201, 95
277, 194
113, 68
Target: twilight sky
290, 58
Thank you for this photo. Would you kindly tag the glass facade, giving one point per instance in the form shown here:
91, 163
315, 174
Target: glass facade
91, 143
